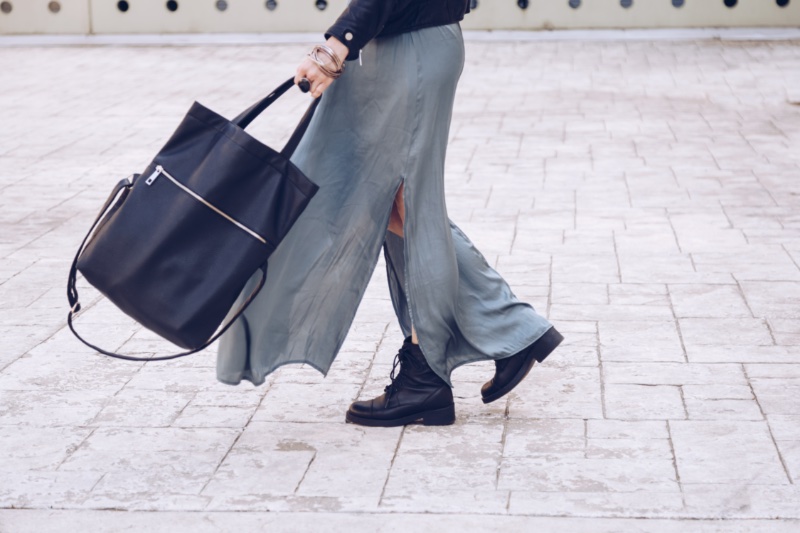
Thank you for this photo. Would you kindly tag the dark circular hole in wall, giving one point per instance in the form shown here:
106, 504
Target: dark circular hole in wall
54, 7
222, 5
523, 4
626, 3
271, 5
172, 5
782, 3
322, 5
731, 3
123, 6
6, 7
574, 4
678, 3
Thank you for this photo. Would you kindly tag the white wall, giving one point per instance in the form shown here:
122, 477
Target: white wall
152, 16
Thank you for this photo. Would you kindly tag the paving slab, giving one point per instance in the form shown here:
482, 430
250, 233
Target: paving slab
641, 192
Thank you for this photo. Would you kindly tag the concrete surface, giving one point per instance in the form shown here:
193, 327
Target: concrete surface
645, 195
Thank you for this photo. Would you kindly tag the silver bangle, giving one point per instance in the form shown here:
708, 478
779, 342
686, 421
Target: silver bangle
327, 51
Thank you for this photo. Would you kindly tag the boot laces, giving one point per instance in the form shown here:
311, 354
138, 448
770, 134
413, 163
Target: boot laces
403, 360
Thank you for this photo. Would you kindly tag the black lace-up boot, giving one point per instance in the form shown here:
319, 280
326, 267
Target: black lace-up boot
509, 372
415, 393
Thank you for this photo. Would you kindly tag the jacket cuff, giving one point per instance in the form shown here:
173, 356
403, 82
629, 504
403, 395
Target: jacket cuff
349, 38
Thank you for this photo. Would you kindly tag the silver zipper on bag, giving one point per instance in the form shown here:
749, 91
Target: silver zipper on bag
160, 170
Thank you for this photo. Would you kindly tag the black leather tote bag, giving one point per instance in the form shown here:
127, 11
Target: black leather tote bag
174, 246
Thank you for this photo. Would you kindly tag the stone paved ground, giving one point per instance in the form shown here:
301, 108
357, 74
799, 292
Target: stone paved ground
643, 195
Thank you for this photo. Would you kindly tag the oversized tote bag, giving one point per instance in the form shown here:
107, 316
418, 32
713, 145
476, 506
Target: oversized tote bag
173, 247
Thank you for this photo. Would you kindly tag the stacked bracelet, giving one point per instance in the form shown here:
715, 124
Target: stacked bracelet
324, 66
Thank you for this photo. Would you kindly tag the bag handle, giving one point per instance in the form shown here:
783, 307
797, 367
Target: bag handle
251, 113
72, 291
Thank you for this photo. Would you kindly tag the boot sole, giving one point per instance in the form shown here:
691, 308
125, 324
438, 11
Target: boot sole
551, 339
436, 417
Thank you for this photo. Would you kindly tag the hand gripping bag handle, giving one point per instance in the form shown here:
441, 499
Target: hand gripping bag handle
243, 120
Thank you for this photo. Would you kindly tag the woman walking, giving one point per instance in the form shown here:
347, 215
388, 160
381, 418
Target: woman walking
376, 147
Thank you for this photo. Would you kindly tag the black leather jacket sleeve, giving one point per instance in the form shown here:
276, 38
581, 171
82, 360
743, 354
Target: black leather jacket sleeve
362, 21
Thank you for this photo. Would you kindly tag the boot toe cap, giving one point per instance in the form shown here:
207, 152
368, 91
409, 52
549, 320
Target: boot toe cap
362, 408
488, 387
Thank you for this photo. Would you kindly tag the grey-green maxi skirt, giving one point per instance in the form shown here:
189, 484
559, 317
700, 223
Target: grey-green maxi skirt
382, 124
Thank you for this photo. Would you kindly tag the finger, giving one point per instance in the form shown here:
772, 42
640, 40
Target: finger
302, 72
306, 69
315, 75
317, 88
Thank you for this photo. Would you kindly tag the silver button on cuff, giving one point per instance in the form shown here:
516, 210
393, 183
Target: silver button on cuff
348, 36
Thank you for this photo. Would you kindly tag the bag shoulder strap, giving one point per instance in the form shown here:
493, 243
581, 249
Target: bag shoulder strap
123, 187
205, 345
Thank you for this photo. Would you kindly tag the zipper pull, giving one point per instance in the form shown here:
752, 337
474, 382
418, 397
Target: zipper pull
360, 63
154, 175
